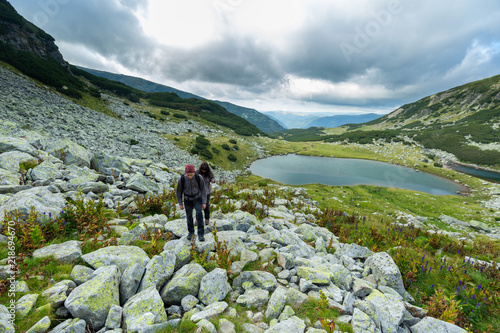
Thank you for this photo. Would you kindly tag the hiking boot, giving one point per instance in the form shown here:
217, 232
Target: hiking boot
207, 221
189, 237
201, 238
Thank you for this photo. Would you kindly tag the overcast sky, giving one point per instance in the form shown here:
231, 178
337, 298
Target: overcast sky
287, 55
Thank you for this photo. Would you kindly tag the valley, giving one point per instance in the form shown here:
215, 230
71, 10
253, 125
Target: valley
88, 175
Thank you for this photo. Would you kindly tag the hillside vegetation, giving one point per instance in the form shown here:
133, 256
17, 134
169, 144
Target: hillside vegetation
132, 147
260, 120
365, 215
464, 121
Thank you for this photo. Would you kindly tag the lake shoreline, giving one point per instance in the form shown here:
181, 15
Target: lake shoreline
379, 176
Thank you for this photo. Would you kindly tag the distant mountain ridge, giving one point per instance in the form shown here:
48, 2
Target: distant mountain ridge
139, 83
464, 121
303, 121
262, 121
339, 120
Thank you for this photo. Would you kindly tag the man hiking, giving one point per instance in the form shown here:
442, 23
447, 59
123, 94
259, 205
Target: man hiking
191, 186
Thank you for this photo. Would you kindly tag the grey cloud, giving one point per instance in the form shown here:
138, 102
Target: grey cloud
230, 61
415, 42
114, 32
412, 49
107, 27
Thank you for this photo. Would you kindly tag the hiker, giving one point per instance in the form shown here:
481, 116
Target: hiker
208, 177
192, 186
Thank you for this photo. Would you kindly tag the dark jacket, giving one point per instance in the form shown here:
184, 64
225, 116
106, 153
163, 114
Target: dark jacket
191, 190
208, 180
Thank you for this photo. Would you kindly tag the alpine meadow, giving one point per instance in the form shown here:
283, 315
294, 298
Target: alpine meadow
94, 240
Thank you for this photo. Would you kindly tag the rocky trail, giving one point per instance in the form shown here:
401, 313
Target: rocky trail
281, 261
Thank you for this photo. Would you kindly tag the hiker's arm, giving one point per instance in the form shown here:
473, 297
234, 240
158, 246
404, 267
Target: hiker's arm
203, 190
179, 194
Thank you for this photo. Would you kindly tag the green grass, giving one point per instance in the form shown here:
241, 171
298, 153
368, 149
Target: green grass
315, 310
384, 202
373, 209
96, 104
244, 155
38, 273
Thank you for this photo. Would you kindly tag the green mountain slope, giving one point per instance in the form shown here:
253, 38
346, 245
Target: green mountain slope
464, 121
448, 107
138, 83
34, 52
262, 121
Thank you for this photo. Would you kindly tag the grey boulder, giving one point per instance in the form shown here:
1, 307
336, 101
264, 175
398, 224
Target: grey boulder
214, 286
65, 252
186, 281
429, 324
92, 300
122, 256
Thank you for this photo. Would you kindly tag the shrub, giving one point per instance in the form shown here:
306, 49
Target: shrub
222, 255
231, 157
225, 146
438, 165
166, 113
156, 204
235, 147
27, 230
86, 217
134, 98
202, 140
180, 116
199, 146
206, 154
443, 307
94, 92
233, 141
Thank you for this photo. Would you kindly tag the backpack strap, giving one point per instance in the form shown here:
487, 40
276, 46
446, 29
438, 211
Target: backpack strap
196, 176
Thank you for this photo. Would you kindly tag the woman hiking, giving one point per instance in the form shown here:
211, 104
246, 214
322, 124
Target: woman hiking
208, 177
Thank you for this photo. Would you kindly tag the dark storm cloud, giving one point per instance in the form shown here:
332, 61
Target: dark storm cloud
402, 45
107, 27
230, 61
380, 52
111, 29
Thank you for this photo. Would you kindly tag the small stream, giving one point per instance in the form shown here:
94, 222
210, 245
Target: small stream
489, 175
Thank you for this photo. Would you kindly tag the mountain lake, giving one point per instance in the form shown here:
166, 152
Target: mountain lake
299, 170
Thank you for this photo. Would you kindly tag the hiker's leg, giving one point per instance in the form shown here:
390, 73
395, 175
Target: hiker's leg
199, 216
188, 206
207, 210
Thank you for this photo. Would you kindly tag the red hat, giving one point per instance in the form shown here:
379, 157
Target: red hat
189, 168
